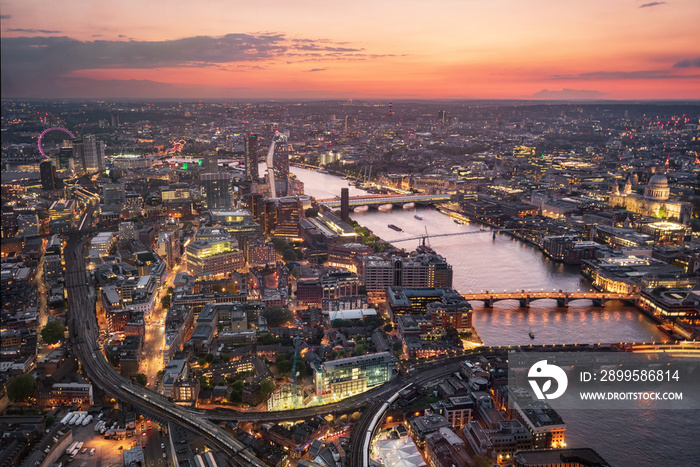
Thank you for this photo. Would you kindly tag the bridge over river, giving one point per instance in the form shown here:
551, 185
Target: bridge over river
378, 200
562, 298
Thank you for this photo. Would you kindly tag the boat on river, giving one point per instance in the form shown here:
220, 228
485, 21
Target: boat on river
418, 217
394, 227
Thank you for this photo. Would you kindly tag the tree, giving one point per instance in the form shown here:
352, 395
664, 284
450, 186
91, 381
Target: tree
141, 379
267, 386
165, 302
311, 212
20, 388
53, 332
361, 349
236, 396
280, 245
482, 461
662, 212
203, 382
342, 323
388, 328
225, 357
289, 255
170, 291
284, 367
233, 288
268, 339
277, 315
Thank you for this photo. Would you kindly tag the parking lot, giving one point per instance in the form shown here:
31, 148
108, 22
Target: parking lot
107, 451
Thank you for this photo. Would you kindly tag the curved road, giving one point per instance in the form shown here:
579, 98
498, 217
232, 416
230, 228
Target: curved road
83, 331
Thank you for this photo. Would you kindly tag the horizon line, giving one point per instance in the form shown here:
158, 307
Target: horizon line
344, 100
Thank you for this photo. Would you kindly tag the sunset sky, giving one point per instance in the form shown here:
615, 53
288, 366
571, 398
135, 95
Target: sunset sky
472, 49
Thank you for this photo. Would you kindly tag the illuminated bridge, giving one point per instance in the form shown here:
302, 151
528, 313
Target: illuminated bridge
562, 298
378, 200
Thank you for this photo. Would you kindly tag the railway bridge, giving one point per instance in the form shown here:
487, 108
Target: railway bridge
378, 200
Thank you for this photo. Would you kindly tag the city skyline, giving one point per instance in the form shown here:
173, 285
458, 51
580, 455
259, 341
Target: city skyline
513, 50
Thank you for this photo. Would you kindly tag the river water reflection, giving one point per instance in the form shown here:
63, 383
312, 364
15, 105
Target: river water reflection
639, 438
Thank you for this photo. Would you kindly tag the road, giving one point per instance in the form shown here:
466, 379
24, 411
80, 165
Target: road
83, 332
152, 351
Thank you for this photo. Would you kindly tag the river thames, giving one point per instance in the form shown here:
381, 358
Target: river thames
480, 262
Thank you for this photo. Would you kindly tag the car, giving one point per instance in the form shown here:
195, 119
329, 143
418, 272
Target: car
92, 451
83, 451
144, 433
165, 456
162, 445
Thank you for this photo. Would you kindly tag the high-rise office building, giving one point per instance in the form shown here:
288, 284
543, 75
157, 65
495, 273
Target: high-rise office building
114, 196
217, 190
90, 153
211, 162
115, 119
169, 248
213, 256
48, 176
425, 270
278, 166
64, 158
345, 204
289, 213
442, 117
329, 157
251, 157
255, 203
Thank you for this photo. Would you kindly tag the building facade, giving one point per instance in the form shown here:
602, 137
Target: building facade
654, 203
213, 256
416, 271
346, 377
